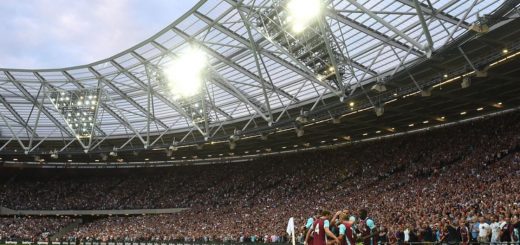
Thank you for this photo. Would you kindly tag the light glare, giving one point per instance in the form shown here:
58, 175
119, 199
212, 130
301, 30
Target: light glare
302, 13
185, 73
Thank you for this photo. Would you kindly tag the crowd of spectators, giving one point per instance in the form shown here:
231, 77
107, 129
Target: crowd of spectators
30, 228
412, 183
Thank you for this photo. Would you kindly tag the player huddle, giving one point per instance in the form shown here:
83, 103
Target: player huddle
341, 229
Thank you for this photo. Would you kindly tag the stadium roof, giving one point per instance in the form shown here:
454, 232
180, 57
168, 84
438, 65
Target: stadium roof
254, 85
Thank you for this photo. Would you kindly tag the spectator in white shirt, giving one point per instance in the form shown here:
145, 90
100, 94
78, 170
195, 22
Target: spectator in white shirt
406, 235
495, 231
483, 231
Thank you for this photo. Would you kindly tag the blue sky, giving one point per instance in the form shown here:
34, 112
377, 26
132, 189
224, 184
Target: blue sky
62, 33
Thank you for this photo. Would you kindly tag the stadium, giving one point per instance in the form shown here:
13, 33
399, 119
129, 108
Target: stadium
316, 122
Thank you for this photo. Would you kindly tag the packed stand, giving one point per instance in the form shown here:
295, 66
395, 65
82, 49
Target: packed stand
411, 184
31, 228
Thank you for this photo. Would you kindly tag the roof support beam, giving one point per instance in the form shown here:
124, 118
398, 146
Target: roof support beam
121, 118
405, 29
143, 85
326, 33
32, 148
33, 100
105, 107
268, 54
165, 100
17, 116
86, 147
254, 47
123, 122
373, 33
386, 24
15, 134
436, 13
308, 73
70, 78
214, 107
231, 89
96, 144
424, 26
125, 96
226, 86
466, 13
234, 65
79, 85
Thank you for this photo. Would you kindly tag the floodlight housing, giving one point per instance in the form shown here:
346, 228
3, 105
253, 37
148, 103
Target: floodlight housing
379, 87
303, 117
54, 154
295, 25
185, 73
183, 81
78, 108
302, 13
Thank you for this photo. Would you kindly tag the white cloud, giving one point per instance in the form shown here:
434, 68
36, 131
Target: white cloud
60, 33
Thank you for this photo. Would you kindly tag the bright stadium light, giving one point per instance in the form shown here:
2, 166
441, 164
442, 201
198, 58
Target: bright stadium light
185, 74
78, 108
302, 13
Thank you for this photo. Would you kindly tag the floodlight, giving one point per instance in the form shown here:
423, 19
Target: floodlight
236, 135
379, 87
77, 106
480, 25
185, 74
302, 13
303, 117
54, 154
294, 25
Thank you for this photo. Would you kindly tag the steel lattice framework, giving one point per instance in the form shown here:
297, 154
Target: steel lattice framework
252, 78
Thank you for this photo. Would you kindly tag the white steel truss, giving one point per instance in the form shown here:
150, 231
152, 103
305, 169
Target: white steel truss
252, 78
